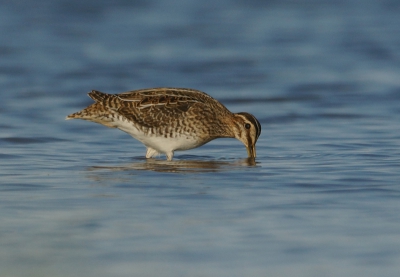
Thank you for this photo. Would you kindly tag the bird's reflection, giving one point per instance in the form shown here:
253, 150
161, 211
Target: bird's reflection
179, 166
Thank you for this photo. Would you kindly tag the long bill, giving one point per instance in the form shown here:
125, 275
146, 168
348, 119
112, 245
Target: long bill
251, 151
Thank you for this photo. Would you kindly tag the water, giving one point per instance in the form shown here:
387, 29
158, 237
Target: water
78, 199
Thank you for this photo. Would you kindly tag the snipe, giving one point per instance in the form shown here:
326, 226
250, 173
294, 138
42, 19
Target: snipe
171, 119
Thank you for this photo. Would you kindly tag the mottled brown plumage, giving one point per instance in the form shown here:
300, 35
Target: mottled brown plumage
169, 119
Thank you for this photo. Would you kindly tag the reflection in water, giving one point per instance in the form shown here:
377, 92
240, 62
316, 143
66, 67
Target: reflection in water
179, 166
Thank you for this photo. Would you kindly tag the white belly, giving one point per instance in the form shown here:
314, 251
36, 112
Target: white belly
160, 143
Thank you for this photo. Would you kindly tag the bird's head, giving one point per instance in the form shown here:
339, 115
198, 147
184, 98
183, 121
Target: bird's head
247, 130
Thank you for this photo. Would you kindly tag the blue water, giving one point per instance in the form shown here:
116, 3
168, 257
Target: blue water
323, 199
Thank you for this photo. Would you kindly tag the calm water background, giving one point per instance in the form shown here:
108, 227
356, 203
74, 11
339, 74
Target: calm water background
323, 77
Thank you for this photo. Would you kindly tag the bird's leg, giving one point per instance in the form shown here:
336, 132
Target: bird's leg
151, 152
169, 155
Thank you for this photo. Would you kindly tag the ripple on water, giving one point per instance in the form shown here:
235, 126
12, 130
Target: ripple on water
21, 187
28, 140
8, 156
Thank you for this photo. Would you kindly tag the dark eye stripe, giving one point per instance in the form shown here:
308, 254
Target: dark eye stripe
257, 124
254, 121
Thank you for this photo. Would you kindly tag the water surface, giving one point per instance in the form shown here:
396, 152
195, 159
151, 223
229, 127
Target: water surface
322, 199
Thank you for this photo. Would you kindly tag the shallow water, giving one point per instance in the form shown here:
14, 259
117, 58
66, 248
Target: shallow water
322, 199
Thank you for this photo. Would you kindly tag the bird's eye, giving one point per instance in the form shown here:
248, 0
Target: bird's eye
247, 126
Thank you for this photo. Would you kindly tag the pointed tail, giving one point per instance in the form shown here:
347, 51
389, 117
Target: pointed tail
96, 113
92, 111
103, 111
